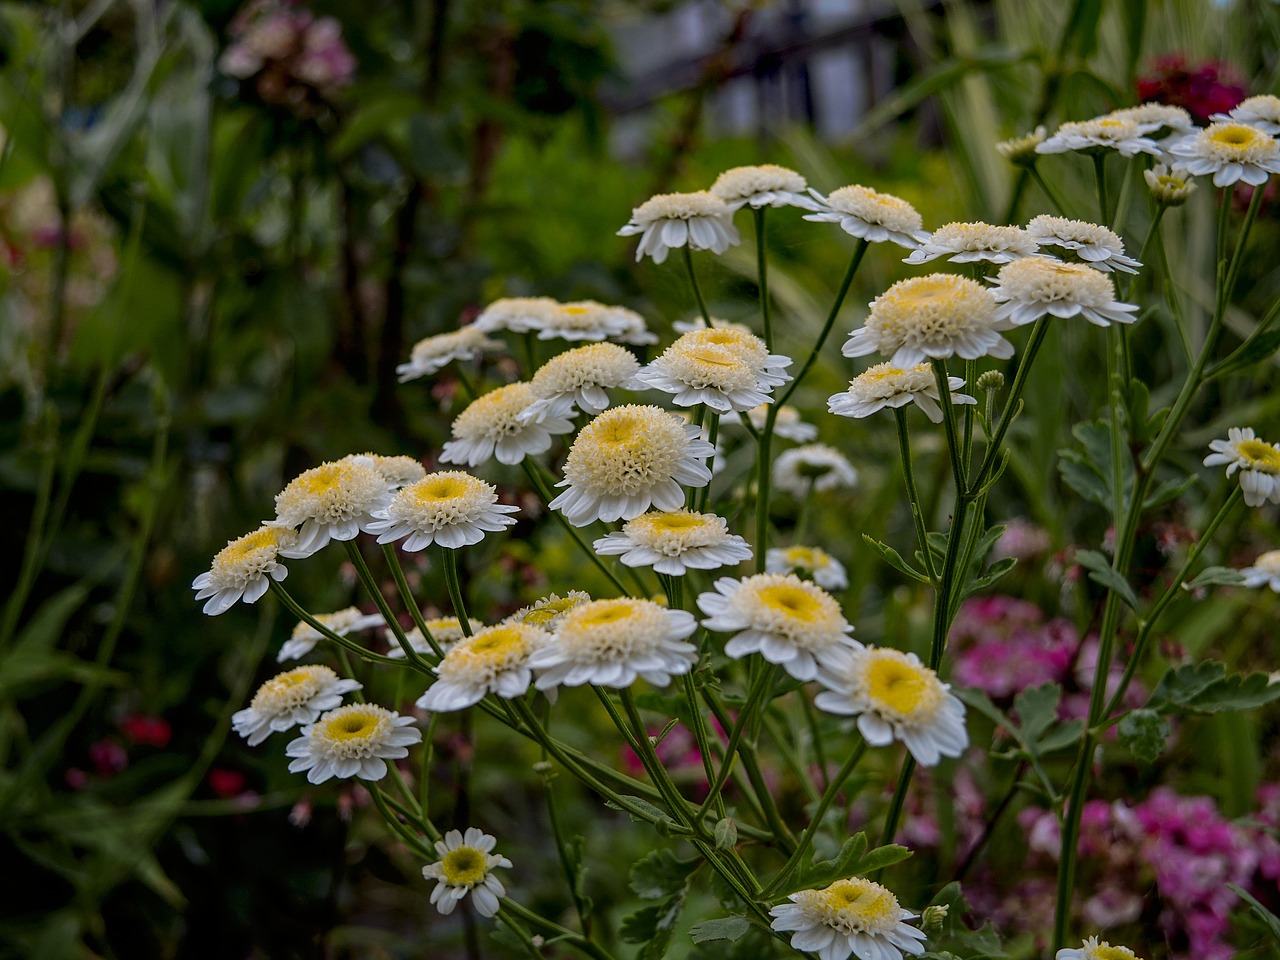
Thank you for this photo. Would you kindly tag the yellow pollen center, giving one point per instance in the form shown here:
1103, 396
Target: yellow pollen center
463, 867
321, 480
603, 615
496, 641
855, 905
1236, 136
575, 311
805, 557
792, 600
711, 359
350, 726
440, 488
1260, 453
675, 521
895, 685
1108, 952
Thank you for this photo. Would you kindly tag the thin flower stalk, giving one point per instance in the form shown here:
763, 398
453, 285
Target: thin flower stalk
762, 277
693, 282
292, 605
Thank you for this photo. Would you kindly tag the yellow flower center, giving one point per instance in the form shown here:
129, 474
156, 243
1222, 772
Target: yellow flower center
855, 905
348, 725
1260, 454
874, 207
496, 642
898, 687
547, 610
1237, 143
1107, 952
479, 659
291, 689
627, 449
463, 867
793, 601
495, 414
607, 630
929, 310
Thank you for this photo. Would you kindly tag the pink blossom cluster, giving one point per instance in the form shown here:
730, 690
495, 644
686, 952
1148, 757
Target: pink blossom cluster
292, 55
1003, 645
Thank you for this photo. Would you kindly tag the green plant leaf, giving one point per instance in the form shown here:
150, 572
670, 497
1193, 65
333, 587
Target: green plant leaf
1100, 571
1206, 688
1144, 734
1255, 350
660, 874
722, 928
1213, 577
1269, 919
894, 559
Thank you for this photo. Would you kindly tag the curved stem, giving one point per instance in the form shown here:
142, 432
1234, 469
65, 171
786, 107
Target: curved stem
762, 277
407, 598
913, 495
1010, 411
449, 560
949, 424
296, 609
894, 813
693, 282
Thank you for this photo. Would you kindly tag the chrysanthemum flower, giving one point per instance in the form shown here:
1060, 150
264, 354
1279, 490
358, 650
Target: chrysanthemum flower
1098, 246
1169, 185
1091, 949
612, 642
450, 507
244, 569
579, 378
1231, 152
629, 459
894, 696
466, 866
826, 570
342, 622
1265, 571
769, 368
675, 542
787, 423
700, 220
1257, 461
788, 621
586, 320
871, 215
851, 918
767, 185
813, 467
434, 353
396, 471
1125, 136
492, 660
491, 426
938, 316
335, 500
550, 610
696, 371
969, 242
1021, 151
885, 385
353, 741
289, 699
1155, 115
517, 314
1033, 287
1262, 111
698, 323
445, 631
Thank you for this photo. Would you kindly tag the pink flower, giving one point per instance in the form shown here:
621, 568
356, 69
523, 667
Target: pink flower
146, 730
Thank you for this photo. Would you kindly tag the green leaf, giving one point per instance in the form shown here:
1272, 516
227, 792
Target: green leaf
1037, 709
894, 559
994, 572
1206, 688
1269, 919
1169, 490
637, 806
726, 833
723, 928
1138, 400
1063, 735
1215, 576
821, 872
660, 874
1081, 34
1100, 571
1084, 480
1144, 734
1252, 351
882, 857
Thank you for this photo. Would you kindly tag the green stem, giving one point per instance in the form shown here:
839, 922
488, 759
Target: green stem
701, 737
762, 275
713, 432
1049, 192
1100, 179
1010, 411
693, 282
407, 598
449, 560
949, 424
371, 585
296, 609
894, 813
913, 495
761, 680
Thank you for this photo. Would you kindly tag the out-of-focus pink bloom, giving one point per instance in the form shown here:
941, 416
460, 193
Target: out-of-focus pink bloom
297, 59
300, 815
1021, 540
1203, 89
76, 778
108, 758
1003, 645
227, 783
147, 730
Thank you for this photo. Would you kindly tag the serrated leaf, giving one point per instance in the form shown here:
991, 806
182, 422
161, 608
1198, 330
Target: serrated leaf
1144, 734
722, 928
994, 572
1084, 480
1169, 490
1037, 709
1206, 688
1100, 571
1063, 735
660, 874
882, 857
1215, 576
894, 559
822, 872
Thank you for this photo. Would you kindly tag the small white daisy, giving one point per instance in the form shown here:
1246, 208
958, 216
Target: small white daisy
352, 741
1098, 246
587, 320
851, 918
341, 622
445, 631
826, 570
787, 423
1091, 949
697, 323
1231, 152
813, 467
490, 426
466, 866
940, 315
769, 368
517, 314
786, 620
1262, 111
1265, 571
1169, 185
700, 221
396, 471
548, 611
579, 378
434, 353
244, 569
1127, 137
698, 371
970, 242
290, 699
1257, 461
894, 696
767, 185
1021, 151
885, 385
871, 215
611, 643
676, 542
335, 500
1033, 287
450, 507
1155, 115
628, 460
492, 660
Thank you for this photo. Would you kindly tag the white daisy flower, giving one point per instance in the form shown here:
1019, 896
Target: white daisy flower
450, 507
1033, 287
1098, 246
787, 423
244, 569
490, 426
1265, 571
445, 631
517, 314
335, 500
885, 385
434, 353
786, 620
466, 866
700, 220
1155, 115
548, 612
676, 542
1169, 185
697, 323
970, 242
352, 741
492, 660
1231, 152
894, 696
342, 622
697, 371
289, 699
1021, 151
396, 471
870, 215
1091, 949
579, 378
767, 185
1257, 461
851, 918
628, 460
940, 315
813, 467
1127, 137
826, 570
586, 320
611, 643
769, 368
1262, 111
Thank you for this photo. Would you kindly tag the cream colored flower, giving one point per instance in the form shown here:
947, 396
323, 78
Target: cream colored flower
549, 610
1021, 151
1155, 115
1096, 245
696, 371
342, 622
1169, 185
492, 660
675, 542
466, 866
970, 242
295, 697
352, 741
787, 423
445, 631
826, 570
434, 353
517, 314
491, 427
335, 500
1127, 137
1091, 949
578, 378
813, 467
700, 221
1033, 287
1257, 461
590, 320
1231, 152
885, 385
450, 507
1265, 571
871, 215
1262, 111
244, 569
767, 185
850, 918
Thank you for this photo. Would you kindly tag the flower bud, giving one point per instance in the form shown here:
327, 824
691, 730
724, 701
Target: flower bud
1021, 151
991, 380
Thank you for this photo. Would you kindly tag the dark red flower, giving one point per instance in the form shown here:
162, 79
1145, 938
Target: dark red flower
147, 730
1202, 89
227, 783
